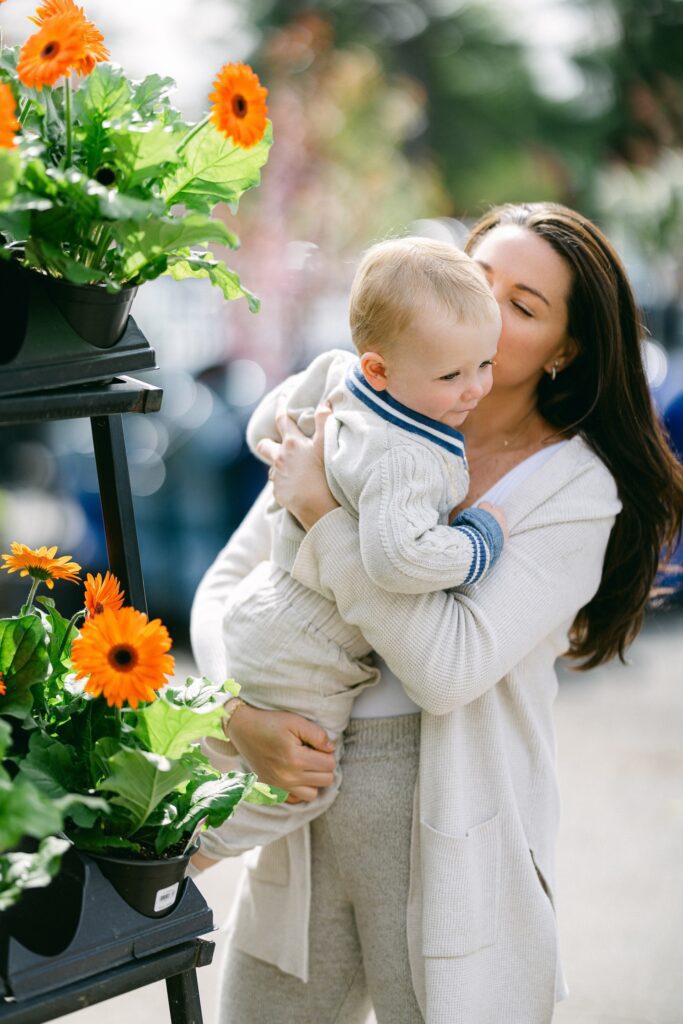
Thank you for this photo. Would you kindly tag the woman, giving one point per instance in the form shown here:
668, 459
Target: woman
459, 884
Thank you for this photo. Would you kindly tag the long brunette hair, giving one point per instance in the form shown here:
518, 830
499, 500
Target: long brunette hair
603, 394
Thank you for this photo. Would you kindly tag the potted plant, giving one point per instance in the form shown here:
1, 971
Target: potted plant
104, 185
104, 725
25, 813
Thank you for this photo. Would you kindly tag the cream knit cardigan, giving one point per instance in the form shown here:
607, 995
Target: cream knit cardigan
481, 925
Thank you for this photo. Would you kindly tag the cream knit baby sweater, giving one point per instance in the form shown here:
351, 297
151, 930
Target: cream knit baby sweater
398, 472
481, 924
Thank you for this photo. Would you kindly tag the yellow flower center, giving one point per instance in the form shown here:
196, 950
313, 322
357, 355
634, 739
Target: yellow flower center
49, 50
123, 658
239, 106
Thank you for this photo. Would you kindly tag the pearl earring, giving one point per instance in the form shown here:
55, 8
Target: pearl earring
553, 372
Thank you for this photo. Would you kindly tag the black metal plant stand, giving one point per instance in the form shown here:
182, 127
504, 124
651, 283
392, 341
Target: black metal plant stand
182, 951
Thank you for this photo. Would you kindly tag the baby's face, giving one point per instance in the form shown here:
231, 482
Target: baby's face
441, 367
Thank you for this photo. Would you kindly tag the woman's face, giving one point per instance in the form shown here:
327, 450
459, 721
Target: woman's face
531, 283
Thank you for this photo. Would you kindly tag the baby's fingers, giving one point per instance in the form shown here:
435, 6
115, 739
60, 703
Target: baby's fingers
268, 450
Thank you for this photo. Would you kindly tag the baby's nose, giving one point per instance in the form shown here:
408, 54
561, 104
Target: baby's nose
473, 392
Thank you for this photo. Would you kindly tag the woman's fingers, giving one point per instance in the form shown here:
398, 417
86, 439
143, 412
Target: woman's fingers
302, 794
311, 734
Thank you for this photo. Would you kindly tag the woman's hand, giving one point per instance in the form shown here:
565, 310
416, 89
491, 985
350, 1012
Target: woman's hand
285, 750
297, 467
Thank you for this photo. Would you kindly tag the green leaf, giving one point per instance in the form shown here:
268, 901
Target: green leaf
19, 871
150, 96
104, 95
10, 172
116, 205
57, 627
28, 201
93, 840
261, 793
51, 766
25, 811
214, 801
197, 692
141, 780
15, 227
205, 265
5, 737
171, 730
216, 170
144, 151
152, 238
40, 253
9, 55
24, 661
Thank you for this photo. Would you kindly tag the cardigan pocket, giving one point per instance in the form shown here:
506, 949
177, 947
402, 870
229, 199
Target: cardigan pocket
542, 880
270, 863
460, 879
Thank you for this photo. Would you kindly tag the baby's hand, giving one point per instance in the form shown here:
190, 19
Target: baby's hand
499, 516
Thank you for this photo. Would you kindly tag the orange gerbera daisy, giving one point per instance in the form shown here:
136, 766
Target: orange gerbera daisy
9, 126
239, 105
3, 688
41, 564
94, 49
52, 52
102, 593
124, 655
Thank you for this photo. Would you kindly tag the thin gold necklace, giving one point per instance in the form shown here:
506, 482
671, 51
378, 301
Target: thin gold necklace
508, 441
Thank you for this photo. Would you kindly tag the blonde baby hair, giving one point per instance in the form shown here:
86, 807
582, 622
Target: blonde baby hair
398, 277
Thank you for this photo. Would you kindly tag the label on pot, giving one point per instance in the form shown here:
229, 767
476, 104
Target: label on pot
165, 897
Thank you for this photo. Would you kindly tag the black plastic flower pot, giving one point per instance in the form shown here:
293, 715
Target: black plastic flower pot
44, 920
56, 334
152, 887
98, 316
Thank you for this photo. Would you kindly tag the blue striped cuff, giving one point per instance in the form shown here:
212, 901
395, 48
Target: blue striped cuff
486, 535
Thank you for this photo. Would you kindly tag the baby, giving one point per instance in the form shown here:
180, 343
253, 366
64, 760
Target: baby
425, 326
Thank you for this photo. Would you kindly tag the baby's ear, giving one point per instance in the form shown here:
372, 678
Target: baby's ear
374, 370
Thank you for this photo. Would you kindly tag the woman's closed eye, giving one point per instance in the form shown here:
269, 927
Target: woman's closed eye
522, 309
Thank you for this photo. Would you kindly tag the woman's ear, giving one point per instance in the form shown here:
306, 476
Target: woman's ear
374, 370
563, 356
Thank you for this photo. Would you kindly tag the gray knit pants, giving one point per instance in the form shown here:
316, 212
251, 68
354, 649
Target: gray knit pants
360, 851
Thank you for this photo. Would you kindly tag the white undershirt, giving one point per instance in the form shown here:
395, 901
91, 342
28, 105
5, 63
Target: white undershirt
388, 698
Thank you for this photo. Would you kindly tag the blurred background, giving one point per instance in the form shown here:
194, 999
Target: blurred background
395, 115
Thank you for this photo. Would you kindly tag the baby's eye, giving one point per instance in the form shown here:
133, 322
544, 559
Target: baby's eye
487, 362
450, 376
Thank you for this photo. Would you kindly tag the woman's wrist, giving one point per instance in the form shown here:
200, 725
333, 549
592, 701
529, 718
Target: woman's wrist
230, 709
314, 512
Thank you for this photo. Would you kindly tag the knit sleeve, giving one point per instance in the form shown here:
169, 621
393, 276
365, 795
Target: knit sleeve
302, 391
449, 648
404, 547
247, 548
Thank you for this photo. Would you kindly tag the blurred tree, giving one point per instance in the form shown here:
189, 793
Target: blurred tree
643, 70
491, 134
638, 182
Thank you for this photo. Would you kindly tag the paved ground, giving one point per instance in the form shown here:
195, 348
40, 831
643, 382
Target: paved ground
620, 750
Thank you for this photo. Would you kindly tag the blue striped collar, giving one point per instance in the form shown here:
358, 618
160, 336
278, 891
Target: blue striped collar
390, 409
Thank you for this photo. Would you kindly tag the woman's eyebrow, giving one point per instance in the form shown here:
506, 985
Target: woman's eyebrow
520, 287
